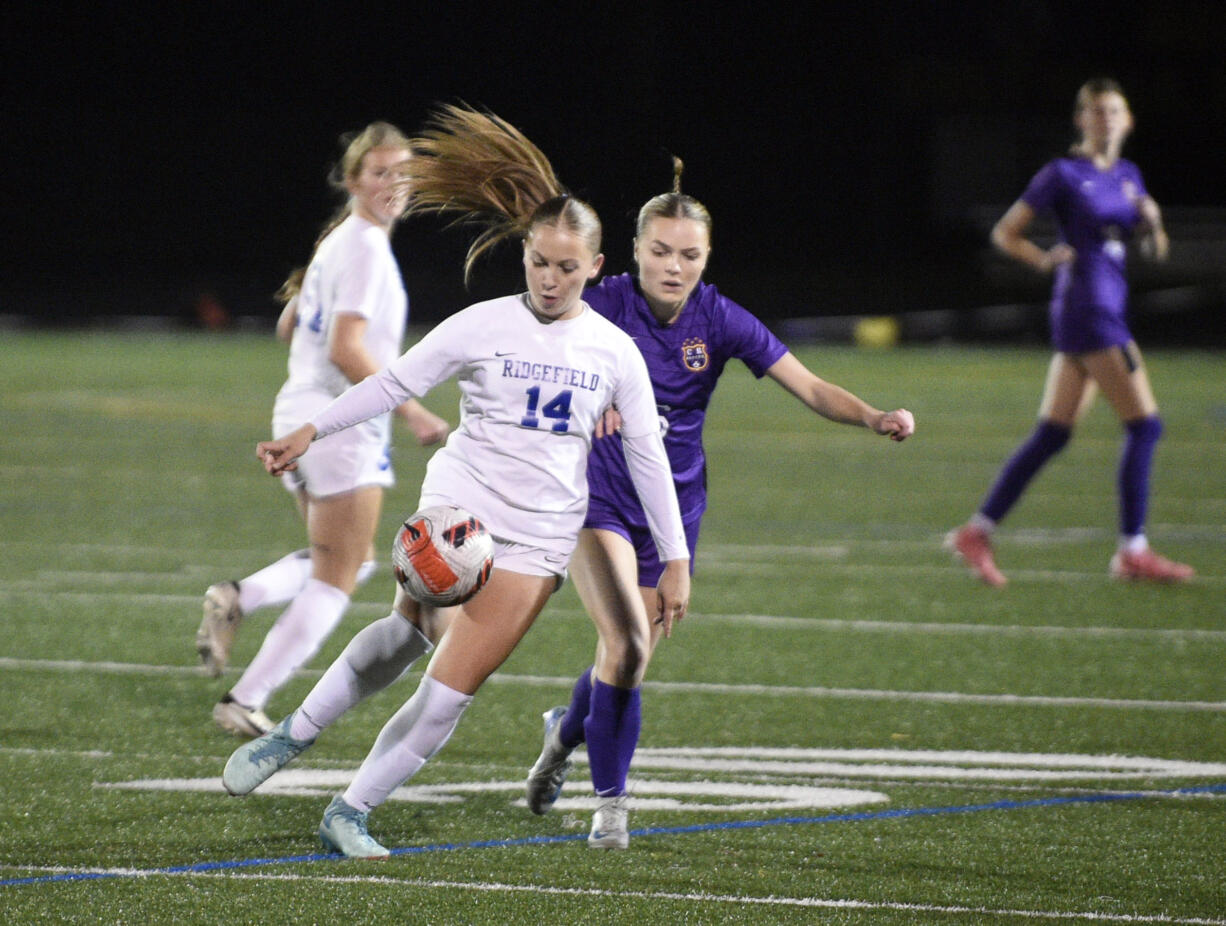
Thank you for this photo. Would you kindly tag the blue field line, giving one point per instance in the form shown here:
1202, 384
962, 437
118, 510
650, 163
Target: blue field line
861, 817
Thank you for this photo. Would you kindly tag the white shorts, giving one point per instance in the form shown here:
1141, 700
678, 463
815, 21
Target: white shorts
338, 463
512, 555
531, 561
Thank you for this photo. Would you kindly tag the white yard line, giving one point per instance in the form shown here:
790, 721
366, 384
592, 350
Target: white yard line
818, 903
870, 694
793, 622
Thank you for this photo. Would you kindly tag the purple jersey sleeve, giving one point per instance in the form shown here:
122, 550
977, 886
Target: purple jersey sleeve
1040, 194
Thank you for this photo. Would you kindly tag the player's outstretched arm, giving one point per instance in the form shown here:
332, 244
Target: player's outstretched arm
837, 404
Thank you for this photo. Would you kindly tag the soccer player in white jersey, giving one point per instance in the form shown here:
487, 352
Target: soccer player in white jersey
536, 372
345, 318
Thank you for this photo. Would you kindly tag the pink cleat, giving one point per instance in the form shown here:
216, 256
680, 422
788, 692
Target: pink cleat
1148, 566
974, 546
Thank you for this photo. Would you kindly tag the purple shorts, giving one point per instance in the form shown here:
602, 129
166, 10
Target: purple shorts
603, 516
1084, 329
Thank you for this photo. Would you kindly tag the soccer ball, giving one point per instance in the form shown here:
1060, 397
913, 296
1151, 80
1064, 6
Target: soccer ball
442, 556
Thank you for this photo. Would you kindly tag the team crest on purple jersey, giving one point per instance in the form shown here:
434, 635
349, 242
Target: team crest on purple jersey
694, 355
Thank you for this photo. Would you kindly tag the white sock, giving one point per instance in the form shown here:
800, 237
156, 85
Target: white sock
415, 733
983, 522
365, 571
281, 581
379, 654
276, 583
1136, 543
293, 639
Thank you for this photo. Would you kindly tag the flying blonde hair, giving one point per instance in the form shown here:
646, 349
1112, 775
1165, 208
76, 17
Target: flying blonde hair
480, 169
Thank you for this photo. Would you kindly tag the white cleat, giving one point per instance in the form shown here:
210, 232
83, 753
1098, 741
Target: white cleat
240, 720
343, 831
222, 615
609, 830
254, 763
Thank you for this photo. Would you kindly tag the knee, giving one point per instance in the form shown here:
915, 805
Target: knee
625, 661
1053, 435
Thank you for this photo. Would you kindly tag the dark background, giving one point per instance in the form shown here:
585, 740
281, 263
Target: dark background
853, 158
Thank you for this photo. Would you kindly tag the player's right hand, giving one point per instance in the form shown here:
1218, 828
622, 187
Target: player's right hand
1056, 255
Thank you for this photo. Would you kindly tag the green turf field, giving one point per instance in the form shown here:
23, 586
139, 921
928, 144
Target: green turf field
846, 729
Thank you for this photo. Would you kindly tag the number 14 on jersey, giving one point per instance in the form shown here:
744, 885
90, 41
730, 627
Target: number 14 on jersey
557, 409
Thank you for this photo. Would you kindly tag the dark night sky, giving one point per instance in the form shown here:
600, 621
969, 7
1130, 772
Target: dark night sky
156, 151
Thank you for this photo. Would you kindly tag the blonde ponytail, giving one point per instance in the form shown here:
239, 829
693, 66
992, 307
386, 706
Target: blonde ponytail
480, 169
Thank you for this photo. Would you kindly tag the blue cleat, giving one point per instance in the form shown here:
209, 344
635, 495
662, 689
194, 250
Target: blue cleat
343, 831
254, 763
547, 776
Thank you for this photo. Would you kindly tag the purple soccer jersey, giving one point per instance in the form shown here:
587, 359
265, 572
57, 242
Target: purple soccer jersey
1097, 212
685, 360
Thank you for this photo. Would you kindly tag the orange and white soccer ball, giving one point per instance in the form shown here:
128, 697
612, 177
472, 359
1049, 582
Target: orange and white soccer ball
442, 556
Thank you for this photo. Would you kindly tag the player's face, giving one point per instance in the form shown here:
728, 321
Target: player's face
375, 195
557, 265
1106, 121
671, 254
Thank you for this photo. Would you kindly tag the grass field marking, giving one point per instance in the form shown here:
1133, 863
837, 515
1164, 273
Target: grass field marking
876, 694
30, 587
938, 627
227, 867
746, 770
121, 668
947, 765
21, 587
829, 547
688, 796
839, 546
771, 900
190, 603
540, 681
935, 570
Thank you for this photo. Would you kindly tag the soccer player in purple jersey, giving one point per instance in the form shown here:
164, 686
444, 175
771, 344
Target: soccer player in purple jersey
687, 331
1099, 201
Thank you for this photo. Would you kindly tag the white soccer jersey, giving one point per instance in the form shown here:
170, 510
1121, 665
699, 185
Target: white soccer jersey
531, 395
353, 272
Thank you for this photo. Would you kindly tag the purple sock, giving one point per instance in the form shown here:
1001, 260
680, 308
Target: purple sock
1133, 473
1047, 439
571, 730
612, 730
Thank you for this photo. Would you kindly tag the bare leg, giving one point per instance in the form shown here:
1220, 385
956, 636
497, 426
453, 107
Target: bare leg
340, 529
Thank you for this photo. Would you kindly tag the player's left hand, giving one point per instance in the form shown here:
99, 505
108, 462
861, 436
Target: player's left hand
673, 594
281, 455
610, 423
896, 425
